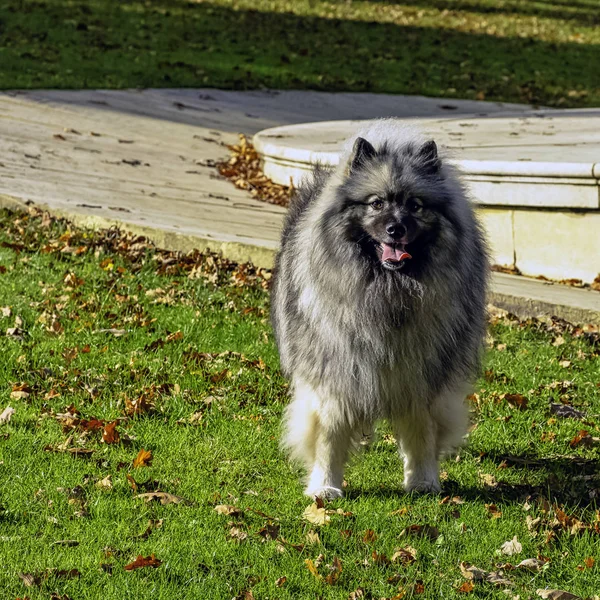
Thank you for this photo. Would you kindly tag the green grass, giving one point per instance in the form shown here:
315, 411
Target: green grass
64, 286
538, 52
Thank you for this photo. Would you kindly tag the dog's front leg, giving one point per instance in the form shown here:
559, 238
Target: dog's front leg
331, 452
416, 437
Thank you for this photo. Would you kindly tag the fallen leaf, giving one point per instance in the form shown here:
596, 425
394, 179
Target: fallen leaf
106, 483
227, 509
269, 532
488, 480
6, 415
406, 555
164, 498
400, 512
466, 588
312, 537
140, 562
471, 572
30, 580
557, 595
312, 568
565, 364
143, 459
517, 401
532, 564
379, 558
511, 547
583, 438
589, 562
281, 581
493, 511
532, 524
369, 536
497, 578
565, 411
314, 514
110, 435
335, 571
238, 534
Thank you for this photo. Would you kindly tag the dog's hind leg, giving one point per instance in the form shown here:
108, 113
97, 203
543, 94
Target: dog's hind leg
318, 436
451, 414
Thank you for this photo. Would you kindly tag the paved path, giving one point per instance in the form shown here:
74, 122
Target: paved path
143, 158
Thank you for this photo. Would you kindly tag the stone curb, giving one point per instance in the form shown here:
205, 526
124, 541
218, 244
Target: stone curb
519, 295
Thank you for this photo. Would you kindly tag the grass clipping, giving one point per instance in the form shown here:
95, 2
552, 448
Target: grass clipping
244, 169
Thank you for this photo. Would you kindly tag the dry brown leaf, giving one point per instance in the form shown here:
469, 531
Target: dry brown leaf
269, 532
472, 573
312, 568
30, 579
312, 537
557, 595
406, 555
488, 480
140, 562
314, 514
105, 484
227, 509
143, 459
517, 401
466, 588
335, 571
531, 564
399, 513
164, 498
493, 511
6, 415
110, 435
369, 536
238, 534
281, 581
511, 547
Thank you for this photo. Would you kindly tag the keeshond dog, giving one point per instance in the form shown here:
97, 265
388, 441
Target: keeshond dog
379, 307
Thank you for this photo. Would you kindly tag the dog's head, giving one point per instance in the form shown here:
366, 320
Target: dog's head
394, 202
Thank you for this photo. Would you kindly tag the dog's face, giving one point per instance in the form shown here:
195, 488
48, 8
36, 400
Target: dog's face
392, 203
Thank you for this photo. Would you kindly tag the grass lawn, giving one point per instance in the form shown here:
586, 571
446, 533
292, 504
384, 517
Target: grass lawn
114, 350
532, 51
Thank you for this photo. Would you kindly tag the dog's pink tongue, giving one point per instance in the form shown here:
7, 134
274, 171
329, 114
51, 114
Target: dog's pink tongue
394, 253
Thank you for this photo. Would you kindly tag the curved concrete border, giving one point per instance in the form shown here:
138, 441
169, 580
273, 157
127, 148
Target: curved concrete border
563, 152
534, 178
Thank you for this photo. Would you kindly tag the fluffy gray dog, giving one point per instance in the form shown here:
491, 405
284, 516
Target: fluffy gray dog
378, 306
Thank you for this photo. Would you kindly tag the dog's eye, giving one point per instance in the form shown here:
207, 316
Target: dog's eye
376, 203
414, 205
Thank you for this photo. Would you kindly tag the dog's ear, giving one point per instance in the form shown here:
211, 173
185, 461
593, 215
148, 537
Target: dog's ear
427, 156
361, 152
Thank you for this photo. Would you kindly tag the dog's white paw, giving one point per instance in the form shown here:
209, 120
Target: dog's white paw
423, 486
325, 492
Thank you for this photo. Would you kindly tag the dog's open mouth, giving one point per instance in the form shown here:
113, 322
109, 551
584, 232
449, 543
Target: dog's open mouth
393, 255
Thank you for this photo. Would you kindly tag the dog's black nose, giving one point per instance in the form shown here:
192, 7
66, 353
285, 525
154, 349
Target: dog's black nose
396, 230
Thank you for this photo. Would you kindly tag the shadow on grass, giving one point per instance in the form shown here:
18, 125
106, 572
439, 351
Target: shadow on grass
571, 482
170, 43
